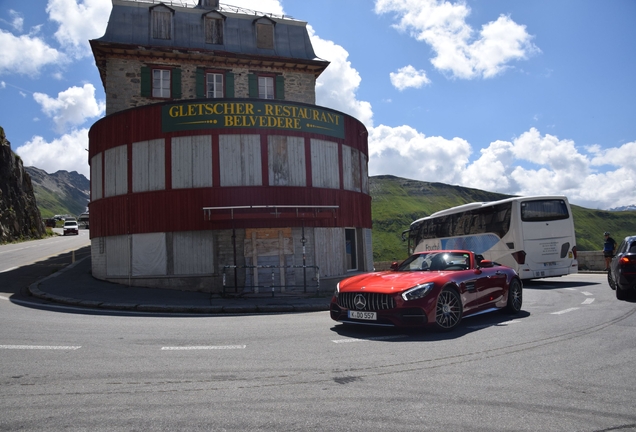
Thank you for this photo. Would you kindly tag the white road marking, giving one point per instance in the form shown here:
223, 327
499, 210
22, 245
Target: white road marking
368, 339
586, 293
39, 347
564, 311
570, 289
220, 347
503, 324
588, 301
9, 269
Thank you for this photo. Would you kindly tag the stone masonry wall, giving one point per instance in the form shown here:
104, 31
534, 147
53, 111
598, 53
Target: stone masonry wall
123, 84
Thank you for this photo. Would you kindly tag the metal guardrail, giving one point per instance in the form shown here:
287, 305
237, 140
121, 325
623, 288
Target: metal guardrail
273, 286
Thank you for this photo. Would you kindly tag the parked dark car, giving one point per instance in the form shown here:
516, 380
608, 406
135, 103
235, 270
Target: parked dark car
622, 272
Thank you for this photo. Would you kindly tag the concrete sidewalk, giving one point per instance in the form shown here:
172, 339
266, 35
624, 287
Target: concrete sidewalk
74, 285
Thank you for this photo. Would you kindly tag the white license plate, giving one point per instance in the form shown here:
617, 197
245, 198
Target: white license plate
370, 316
549, 264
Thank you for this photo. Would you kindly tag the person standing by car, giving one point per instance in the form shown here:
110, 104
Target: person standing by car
609, 248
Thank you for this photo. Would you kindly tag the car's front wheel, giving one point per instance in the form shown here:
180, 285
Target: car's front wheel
515, 297
448, 312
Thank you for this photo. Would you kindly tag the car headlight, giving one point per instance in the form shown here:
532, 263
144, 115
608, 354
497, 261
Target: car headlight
417, 292
337, 291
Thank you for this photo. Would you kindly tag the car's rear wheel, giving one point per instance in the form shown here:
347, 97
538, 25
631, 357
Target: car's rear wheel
448, 311
515, 297
610, 280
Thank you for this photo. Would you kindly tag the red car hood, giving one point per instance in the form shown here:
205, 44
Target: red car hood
387, 282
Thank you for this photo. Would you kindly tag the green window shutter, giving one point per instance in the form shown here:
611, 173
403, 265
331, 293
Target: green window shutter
280, 87
200, 83
253, 85
176, 83
146, 82
229, 85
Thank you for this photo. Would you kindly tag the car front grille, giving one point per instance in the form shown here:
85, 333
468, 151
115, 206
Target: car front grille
373, 301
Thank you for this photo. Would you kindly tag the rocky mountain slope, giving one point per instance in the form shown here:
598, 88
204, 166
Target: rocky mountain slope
60, 193
19, 215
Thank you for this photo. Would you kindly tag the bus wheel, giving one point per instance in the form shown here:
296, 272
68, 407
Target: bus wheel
448, 311
515, 297
610, 280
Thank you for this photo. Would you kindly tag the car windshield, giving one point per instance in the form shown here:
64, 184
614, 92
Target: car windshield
69, 223
436, 261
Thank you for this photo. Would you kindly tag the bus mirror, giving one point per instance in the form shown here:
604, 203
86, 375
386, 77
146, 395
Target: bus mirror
485, 264
395, 265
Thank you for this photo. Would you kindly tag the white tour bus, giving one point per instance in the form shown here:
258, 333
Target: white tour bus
533, 235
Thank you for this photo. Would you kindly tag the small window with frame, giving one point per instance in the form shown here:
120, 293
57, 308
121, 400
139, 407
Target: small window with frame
161, 83
214, 85
266, 87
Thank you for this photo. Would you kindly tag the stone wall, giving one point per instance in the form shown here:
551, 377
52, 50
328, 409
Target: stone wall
591, 260
122, 83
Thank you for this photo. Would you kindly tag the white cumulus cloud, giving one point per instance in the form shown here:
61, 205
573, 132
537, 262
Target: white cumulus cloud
72, 106
442, 25
407, 77
67, 153
26, 54
79, 21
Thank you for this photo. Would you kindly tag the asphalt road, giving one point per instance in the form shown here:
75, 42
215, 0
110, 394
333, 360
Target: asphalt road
566, 363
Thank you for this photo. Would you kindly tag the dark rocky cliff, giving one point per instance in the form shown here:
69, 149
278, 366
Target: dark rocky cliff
19, 214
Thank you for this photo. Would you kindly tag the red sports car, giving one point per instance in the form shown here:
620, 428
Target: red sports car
435, 288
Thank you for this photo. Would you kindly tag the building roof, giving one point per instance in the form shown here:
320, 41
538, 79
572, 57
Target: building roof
130, 22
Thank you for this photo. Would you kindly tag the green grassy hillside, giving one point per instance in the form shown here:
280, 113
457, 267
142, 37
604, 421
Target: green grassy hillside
397, 202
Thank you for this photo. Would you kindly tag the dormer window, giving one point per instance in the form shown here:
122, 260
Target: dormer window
209, 4
161, 22
214, 28
265, 33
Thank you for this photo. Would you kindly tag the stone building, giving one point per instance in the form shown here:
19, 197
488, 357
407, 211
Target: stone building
213, 169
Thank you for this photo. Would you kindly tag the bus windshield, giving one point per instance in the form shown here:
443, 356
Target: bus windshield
544, 210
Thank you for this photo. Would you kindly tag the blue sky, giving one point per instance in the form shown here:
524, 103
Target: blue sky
518, 97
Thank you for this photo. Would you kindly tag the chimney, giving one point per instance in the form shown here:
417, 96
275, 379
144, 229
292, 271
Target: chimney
209, 4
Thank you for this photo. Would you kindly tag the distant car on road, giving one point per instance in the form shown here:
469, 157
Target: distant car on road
70, 227
621, 275
435, 288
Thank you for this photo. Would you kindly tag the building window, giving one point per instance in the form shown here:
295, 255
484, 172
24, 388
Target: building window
214, 85
161, 83
265, 35
266, 87
214, 31
161, 23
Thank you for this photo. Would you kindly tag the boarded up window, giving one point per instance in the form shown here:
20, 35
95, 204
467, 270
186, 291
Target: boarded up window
161, 24
96, 177
148, 165
149, 254
364, 167
191, 162
265, 35
330, 251
286, 159
193, 252
116, 171
351, 168
240, 160
117, 256
214, 31
324, 164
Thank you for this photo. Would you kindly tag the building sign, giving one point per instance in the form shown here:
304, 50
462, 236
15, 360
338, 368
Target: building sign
236, 113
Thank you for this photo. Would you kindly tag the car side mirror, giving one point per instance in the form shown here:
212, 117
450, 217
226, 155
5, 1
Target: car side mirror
485, 264
395, 265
